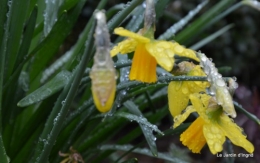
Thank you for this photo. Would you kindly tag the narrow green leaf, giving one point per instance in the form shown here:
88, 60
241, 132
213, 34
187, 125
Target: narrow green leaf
121, 15
27, 36
77, 50
143, 151
101, 133
222, 14
50, 14
146, 126
170, 32
114, 9
249, 115
58, 115
30, 122
160, 7
3, 11
26, 150
18, 17
48, 89
32, 5
71, 134
52, 42
3, 155
198, 25
136, 21
211, 37
138, 119
161, 79
137, 131
3, 52
3, 44
68, 4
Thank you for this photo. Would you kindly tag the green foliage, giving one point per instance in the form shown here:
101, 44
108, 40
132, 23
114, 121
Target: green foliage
45, 99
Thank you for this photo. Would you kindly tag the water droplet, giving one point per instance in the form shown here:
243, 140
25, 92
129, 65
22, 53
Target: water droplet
178, 85
210, 142
179, 49
144, 5
220, 82
63, 102
185, 90
209, 135
217, 147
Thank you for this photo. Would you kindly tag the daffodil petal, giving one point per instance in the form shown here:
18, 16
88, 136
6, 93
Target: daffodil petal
178, 97
235, 133
182, 51
197, 86
197, 101
123, 32
193, 137
224, 98
214, 137
143, 66
182, 117
124, 47
162, 52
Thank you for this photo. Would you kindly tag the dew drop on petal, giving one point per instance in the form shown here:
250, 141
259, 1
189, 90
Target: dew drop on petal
220, 82
178, 86
214, 129
185, 90
210, 142
179, 49
209, 135
217, 147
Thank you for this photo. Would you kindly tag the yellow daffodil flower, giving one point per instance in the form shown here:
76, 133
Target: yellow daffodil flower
179, 91
211, 127
149, 52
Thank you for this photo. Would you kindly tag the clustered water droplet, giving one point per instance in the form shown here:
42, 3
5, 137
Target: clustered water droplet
218, 86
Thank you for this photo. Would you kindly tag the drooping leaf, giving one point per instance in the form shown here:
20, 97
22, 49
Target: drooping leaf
48, 89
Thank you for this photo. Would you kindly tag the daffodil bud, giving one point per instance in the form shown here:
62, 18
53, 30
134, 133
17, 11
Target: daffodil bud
103, 73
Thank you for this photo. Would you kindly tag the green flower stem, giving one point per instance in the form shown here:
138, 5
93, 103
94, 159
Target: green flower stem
249, 115
77, 48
